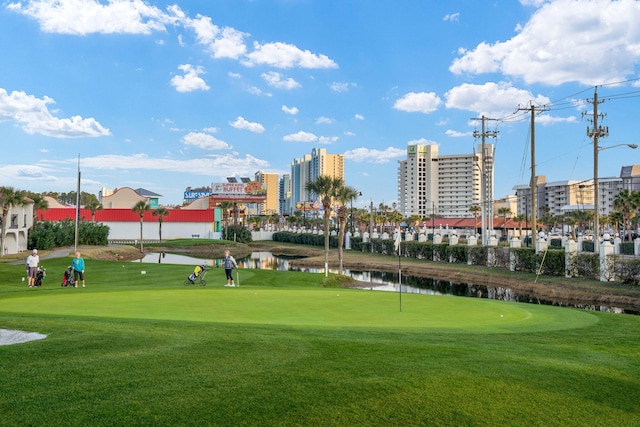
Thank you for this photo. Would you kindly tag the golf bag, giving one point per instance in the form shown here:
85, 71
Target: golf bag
198, 275
67, 278
40, 275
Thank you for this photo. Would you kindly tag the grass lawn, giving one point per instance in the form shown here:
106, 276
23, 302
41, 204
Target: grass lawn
282, 350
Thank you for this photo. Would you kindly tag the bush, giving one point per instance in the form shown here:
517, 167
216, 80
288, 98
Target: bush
627, 270
585, 265
237, 233
48, 234
524, 259
553, 262
477, 255
458, 254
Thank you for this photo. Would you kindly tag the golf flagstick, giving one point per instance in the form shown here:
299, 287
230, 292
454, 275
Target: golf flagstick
237, 278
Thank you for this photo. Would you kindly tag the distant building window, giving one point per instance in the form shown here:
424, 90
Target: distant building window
14, 221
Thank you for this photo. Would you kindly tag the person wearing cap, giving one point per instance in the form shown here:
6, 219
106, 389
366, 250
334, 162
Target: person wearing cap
33, 261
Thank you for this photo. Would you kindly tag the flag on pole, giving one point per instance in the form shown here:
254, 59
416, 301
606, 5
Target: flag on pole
396, 244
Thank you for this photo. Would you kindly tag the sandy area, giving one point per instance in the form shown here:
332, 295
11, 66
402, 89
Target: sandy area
8, 336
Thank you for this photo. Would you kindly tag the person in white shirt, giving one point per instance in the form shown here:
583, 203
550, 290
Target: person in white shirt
33, 261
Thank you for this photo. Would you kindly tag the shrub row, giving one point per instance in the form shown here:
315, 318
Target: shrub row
549, 263
48, 235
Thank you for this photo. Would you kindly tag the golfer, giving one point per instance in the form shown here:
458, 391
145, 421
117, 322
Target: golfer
32, 263
229, 264
78, 269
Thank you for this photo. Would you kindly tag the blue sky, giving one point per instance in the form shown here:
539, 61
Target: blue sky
166, 95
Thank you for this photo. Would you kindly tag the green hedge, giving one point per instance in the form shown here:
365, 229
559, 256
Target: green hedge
48, 235
237, 233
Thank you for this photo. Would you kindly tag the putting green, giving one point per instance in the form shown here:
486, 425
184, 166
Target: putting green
309, 308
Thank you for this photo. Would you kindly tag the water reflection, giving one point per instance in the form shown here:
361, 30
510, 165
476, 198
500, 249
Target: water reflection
383, 281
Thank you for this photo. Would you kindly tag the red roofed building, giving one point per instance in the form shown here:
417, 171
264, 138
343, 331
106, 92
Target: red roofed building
124, 224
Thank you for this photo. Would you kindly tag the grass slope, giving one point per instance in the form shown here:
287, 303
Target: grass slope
143, 349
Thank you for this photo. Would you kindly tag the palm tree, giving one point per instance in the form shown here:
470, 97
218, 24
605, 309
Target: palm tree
475, 210
160, 212
93, 206
504, 212
520, 218
616, 218
8, 197
325, 188
140, 208
225, 207
255, 221
344, 195
626, 203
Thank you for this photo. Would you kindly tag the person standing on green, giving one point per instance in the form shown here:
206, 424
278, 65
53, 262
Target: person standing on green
229, 263
33, 261
78, 269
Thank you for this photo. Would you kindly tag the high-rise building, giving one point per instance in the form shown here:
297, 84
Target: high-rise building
309, 168
269, 181
284, 194
446, 186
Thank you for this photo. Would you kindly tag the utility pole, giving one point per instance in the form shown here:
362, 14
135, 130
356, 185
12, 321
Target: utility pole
534, 181
486, 183
596, 133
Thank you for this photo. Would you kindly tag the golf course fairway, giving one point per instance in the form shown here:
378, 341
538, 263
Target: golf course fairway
309, 307
137, 347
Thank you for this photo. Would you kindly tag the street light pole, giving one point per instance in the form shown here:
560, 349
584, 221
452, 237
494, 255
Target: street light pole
433, 222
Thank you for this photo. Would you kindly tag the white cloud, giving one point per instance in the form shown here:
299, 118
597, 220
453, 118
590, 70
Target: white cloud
81, 17
452, 17
494, 100
359, 117
221, 165
243, 124
225, 43
535, 3
282, 55
341, 87
33, 115
204, 141
257, 91
421, 102
328, 139
422, 141
324, 120
375, 156
290, 110
457, 134
191, 80
591, 42
276, 80
301, 136
545, 119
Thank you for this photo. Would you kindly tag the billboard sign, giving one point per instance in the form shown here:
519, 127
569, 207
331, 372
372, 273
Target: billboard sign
237, 188
194, 195
308, 206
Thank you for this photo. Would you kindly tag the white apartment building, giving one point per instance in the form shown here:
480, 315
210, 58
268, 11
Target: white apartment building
446, 185
565, 196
